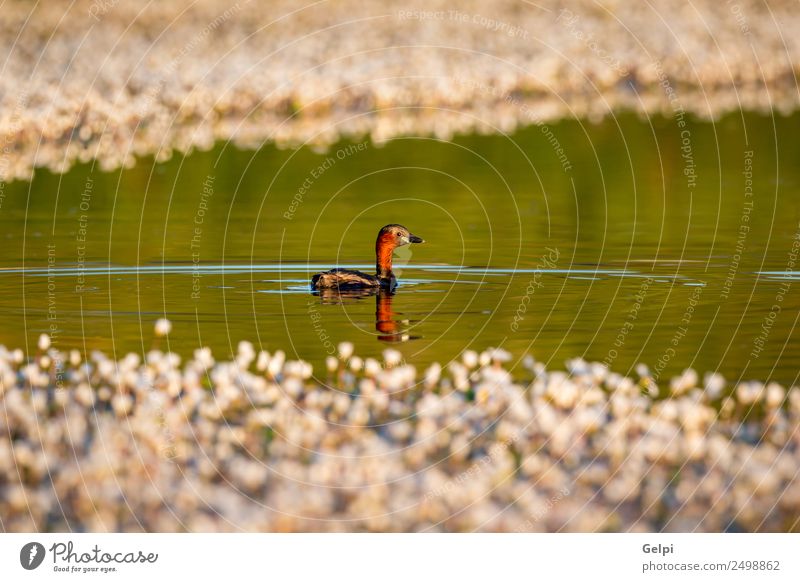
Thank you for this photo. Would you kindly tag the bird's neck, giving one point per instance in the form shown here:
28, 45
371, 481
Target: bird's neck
383, 258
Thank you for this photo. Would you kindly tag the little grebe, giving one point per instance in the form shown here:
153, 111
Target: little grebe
390, 237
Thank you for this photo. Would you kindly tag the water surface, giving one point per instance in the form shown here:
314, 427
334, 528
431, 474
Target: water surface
640, 248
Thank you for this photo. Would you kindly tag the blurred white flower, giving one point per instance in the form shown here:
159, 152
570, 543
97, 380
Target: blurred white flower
345, 350
331, 363
356, 364
44, 342
163, 327
392, 357
470, 358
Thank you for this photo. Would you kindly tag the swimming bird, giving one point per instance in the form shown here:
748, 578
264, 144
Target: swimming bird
389, 238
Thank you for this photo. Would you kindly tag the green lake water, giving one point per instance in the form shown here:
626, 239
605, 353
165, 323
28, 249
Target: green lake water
626, 241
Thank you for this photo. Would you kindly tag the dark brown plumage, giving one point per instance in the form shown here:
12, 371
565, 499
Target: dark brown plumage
343, 278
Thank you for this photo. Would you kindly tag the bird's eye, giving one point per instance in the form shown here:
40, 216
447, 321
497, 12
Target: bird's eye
397, 233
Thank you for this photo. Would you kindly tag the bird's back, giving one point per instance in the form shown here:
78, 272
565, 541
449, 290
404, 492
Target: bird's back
343, 279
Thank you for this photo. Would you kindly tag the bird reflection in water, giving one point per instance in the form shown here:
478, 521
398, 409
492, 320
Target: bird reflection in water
388, 326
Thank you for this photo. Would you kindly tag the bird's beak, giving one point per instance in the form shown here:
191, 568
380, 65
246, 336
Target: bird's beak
415, 239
